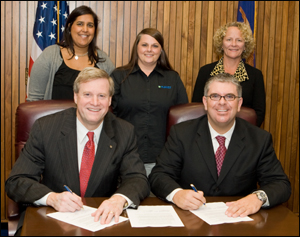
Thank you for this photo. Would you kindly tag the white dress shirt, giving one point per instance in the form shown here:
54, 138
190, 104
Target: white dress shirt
216, 145
82, 139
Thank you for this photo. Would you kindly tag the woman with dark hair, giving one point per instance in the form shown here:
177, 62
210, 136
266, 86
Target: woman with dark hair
145, 89
55, 70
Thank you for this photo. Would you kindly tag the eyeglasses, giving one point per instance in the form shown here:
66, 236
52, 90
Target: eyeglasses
217, 97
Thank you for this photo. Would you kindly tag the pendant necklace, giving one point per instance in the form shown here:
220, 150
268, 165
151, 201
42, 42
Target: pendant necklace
80, 55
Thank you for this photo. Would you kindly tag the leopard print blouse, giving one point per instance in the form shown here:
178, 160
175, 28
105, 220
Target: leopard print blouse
240, 73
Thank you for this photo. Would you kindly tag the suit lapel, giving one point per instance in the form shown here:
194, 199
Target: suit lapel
235, 147
67, 145
206, 149
103, 157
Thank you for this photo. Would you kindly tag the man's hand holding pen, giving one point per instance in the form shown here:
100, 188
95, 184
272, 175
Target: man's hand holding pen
189, 199
65, 201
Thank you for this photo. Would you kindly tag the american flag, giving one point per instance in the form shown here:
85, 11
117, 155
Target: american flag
46, 27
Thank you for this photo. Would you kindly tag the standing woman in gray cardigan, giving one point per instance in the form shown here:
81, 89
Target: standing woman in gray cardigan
55, 70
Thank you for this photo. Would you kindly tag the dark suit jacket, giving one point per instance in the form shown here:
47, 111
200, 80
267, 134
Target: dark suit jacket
51, 151
254, 95
188, 158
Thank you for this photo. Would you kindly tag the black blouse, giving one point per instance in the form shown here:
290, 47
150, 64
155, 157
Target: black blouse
144, 102
63, 82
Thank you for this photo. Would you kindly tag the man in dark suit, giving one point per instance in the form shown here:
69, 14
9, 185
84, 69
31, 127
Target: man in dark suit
189, 157
55, 151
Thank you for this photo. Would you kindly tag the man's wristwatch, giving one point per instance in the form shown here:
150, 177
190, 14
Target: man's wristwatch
261, 196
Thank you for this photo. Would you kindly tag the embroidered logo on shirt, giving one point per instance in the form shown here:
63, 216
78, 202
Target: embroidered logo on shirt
164, 87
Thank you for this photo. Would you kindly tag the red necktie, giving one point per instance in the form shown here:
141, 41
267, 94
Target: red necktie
220, 153
87, 163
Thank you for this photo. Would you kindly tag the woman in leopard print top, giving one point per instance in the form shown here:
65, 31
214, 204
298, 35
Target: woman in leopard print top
234, 42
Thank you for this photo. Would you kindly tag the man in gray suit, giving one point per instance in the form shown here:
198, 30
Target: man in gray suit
189, 157
55, 149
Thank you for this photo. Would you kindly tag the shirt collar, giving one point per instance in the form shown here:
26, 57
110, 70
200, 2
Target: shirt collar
157, 69
214, 133
135, 69
82, 131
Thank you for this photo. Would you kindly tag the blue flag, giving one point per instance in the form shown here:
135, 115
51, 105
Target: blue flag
48, 28
246, 13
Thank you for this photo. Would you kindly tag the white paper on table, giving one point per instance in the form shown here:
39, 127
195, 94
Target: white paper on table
154, 216
213, 213
83, 219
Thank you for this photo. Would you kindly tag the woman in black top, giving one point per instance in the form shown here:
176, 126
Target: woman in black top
233, 42
145, 89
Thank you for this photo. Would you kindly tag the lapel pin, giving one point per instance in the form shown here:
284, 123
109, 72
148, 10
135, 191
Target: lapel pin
110, 146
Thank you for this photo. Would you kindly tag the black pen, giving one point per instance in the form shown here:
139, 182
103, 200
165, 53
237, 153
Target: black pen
69, 190
194, 188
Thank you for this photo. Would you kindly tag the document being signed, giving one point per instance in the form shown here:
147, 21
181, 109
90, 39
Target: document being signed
154, 216
83, 219
213, 213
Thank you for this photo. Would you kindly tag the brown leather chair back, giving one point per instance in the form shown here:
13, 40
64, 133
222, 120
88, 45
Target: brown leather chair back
27, 113
184, 112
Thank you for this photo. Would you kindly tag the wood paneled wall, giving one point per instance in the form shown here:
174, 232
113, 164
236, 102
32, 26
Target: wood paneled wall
188, 28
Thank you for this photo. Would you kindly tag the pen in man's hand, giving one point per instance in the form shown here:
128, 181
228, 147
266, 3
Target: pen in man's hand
69, 190
194, 188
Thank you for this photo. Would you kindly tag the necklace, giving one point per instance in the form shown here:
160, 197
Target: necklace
80, 55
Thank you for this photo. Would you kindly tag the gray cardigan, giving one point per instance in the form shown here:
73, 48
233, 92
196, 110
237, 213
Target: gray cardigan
44, 68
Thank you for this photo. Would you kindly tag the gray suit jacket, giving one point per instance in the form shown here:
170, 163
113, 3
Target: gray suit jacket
188, 158
51, 153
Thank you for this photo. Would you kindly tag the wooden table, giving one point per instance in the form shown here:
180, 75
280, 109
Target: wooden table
278, 220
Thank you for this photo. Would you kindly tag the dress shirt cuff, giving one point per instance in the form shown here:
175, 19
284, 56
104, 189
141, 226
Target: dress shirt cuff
42, 201
171, 195
130, 203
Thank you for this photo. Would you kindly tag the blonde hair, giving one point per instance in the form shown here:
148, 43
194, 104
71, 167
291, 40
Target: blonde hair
246, 34
93, 73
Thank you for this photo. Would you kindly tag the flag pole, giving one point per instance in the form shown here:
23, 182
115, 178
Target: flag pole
255, 19
57, 21
255, 30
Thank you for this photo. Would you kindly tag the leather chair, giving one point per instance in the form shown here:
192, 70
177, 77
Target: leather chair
184, 112
26, 114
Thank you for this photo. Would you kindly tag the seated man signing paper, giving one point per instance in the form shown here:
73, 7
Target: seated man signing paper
222, 155
86, 148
